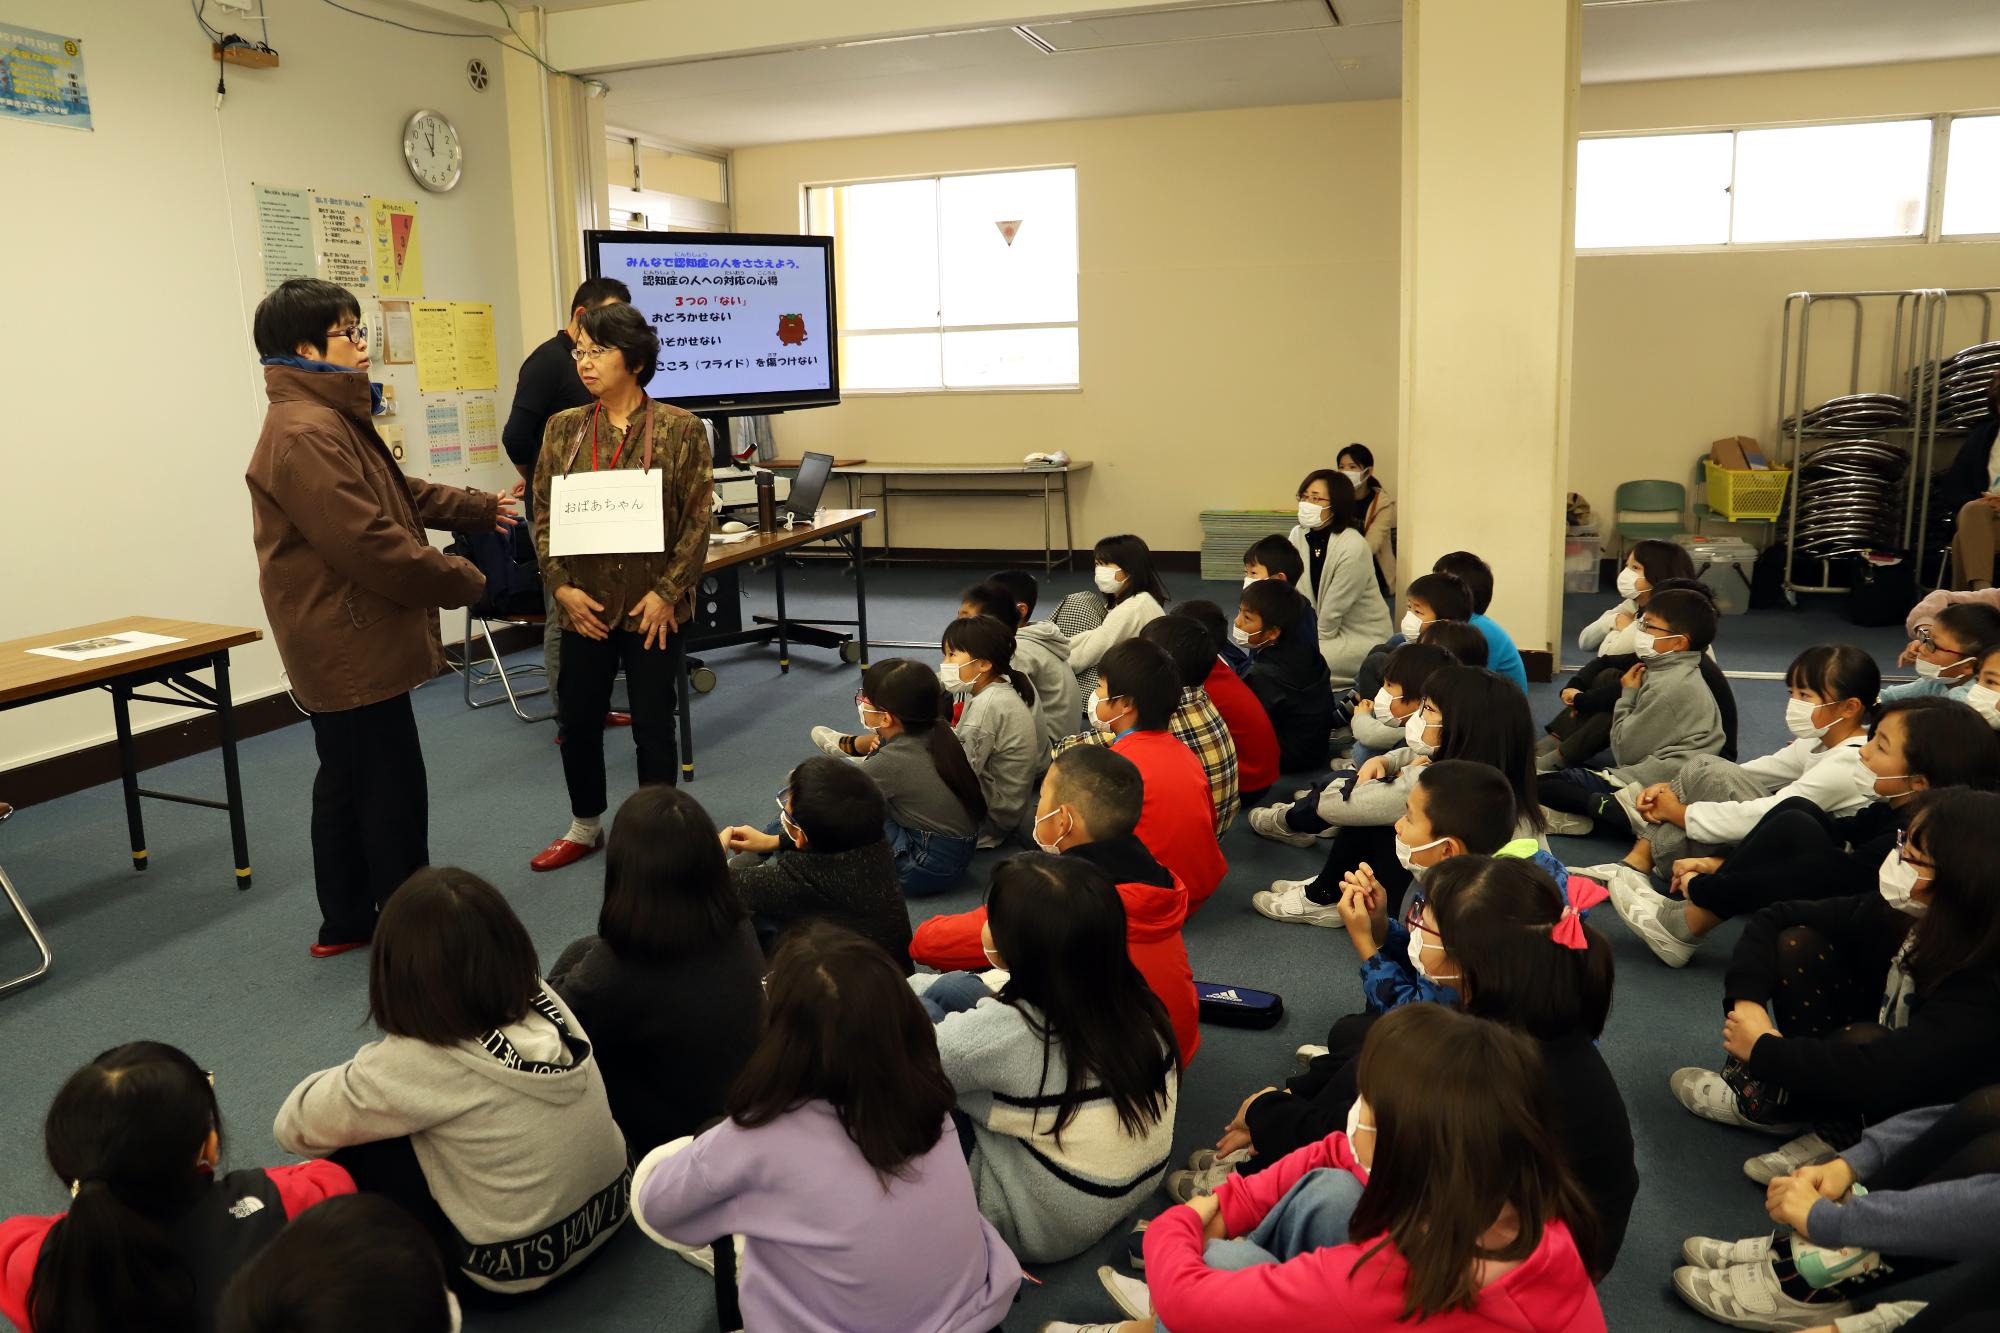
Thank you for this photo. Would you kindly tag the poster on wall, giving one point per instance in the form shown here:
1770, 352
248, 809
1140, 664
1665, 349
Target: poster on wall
340, 234
398, 334
436, 342
441, 430
398, 253
41, 78
472, 330
284, 233
482, 427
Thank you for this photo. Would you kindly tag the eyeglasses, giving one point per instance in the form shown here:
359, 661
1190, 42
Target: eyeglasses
583, 354
354, 333
1415, 917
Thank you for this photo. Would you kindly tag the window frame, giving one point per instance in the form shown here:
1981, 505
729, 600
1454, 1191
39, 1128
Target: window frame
1937, 168
941, 328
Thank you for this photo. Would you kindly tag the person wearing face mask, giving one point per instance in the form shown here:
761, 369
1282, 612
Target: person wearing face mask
1797, 850
1274, 557
1133, 593
1340, 575
1041, 650
996, 723
1073, 1031
1453, 1147
1665, 716
1853, 1009
1946, 652
135, 1140
828, 860
1713, 804
355, 1262
1193, 634
1647, 563
1092, 807
1376, 509
1286, 673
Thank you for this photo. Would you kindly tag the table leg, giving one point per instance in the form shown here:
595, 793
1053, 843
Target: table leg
1069, 538
128, 771
683, 705
860, 601
1048, 551
784, 648
232, 779
887, 547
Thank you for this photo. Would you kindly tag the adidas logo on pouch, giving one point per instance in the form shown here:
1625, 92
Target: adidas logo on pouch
1228, 995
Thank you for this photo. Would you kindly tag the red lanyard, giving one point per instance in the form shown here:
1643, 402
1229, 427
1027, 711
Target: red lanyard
644, 419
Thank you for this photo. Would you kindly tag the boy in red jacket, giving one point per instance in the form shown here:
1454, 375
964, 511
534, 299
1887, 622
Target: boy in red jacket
1090, 805
1192, 633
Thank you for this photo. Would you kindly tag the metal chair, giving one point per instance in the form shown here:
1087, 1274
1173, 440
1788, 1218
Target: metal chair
477, 674
1648, 497
34, 931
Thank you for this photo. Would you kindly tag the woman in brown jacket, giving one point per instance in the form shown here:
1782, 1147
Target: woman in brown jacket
352, 589
621, 608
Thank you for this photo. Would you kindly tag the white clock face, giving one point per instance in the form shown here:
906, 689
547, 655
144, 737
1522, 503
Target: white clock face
431, 149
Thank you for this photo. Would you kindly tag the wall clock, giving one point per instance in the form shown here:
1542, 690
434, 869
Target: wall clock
432, 151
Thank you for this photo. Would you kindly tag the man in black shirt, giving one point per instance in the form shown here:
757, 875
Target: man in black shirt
548, 384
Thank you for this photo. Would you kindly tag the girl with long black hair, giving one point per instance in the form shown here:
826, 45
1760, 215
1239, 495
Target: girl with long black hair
1133, 593
155, 1230
1069, 1077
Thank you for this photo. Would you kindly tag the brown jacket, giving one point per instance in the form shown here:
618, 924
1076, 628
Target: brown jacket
350, 584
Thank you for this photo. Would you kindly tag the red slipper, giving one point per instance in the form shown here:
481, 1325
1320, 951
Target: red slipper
562, 852
335, 950
617, 719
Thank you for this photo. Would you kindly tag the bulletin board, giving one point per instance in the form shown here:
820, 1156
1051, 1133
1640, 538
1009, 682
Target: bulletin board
434, 357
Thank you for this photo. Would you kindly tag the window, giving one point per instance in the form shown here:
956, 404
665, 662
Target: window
1972, 177
1804, 183
955, 282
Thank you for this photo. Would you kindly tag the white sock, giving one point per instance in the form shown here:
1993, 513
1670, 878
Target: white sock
584, 832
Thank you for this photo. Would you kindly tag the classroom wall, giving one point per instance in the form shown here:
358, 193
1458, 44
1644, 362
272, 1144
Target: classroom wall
1237, 303
131, 265
1239, 308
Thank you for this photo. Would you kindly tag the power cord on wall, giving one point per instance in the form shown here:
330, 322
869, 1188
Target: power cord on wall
524, 48
224, 41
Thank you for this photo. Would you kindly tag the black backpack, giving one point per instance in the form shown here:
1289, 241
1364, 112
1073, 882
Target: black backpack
513, 578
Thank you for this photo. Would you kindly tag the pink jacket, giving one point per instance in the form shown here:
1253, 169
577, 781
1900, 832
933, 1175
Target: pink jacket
1548, 1292
1925, 611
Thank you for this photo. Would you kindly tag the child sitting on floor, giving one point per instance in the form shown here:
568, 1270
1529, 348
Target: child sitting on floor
1286, 672
1250, 729
996, 724
1946, 651
1664, 718
1501, 654
1126, 577
1041, 650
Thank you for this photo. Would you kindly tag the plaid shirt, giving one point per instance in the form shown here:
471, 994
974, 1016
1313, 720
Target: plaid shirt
1198, 726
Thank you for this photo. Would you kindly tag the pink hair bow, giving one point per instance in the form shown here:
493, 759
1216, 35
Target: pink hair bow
1584, 894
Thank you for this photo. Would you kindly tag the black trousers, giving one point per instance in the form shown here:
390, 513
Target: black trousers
1355, 845
588, 668
1795, 851
370, 816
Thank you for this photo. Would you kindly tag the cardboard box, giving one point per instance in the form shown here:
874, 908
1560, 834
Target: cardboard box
1739, 453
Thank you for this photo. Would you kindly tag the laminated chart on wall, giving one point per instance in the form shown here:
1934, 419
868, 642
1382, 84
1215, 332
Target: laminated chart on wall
398, 251
482, 426
472, 329
340, 234
398, 334
284, 233
41, 77
447, 447
434, 336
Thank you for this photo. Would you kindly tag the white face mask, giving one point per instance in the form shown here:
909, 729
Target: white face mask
1052, 848
1412, 626
1096, 701
1647, 646
1406, 855
1109, 579
1416, 956
1355, 476
1799, 719
1414, 733
1249, 579
1899, 880
451, 1303
862, 711
1628, 583
1933, 671
957, 677
1238, 636
1985, 701
1355, 1124
1310, 514
1877, 779
1385, 704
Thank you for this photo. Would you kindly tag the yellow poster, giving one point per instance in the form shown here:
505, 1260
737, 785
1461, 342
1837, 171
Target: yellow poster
478, 365
436, 342
399, 256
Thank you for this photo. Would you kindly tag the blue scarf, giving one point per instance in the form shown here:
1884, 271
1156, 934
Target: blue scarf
307, 363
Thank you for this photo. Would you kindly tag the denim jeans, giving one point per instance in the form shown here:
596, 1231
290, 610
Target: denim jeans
1312, 1215
927, 863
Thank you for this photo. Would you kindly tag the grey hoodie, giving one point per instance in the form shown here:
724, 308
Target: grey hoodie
515, 1138
1668, 719
1041, 655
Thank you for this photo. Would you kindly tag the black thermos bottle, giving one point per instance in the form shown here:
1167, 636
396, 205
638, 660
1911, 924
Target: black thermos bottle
767, 502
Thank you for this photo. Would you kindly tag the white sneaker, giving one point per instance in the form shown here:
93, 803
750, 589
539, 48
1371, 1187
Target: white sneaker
1286, 900
1707, 1252
1269, 822
1881, 1319
1129, 1292
1566, 825
1643, 910
1748, 1296
1704, 1092
1805, 1150
1627, 797
1204, 1159
1182, 1186
828, 740
1305, 1055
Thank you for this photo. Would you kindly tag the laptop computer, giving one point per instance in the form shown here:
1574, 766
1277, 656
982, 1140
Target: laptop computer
808, 485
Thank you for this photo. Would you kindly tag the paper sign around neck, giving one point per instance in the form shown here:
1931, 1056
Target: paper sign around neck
619, 512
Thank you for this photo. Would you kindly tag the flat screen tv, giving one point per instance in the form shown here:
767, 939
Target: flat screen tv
746, 321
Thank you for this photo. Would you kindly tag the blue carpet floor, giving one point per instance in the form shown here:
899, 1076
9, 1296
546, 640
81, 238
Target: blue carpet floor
178, 954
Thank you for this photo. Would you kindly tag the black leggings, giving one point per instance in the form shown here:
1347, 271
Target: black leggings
1373, 845
1818, 994
1971, 1304
1795, 851
1584, 735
